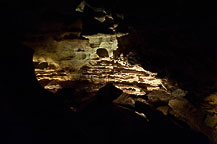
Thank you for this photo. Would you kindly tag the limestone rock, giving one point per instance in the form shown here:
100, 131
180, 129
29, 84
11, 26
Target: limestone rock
178, 93
159, 96
184, 110
125, 99
163, 109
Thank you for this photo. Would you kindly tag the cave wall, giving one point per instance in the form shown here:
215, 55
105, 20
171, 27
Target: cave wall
175, 39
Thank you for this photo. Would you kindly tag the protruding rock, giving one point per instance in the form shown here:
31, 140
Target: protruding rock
178, 93
163, 109
125, 99
184, 110
159, 96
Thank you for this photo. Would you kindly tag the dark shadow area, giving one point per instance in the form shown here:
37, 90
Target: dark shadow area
37, 116
183, 48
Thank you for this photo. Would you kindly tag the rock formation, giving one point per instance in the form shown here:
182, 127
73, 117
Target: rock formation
120, 65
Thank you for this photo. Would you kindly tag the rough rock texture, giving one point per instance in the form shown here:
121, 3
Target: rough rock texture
161, 55
209, 106
59, 62
186, 111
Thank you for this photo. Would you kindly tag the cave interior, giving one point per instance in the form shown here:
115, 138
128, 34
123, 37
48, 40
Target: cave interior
111, 71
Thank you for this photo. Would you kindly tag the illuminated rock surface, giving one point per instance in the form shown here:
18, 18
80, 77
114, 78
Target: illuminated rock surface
89, 64
161, 57
210, 106
79, 60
